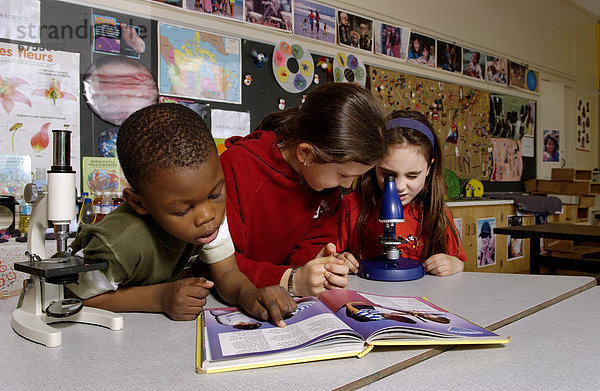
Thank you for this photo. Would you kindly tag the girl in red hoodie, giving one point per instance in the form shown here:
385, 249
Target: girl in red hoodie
414, 158
283, 186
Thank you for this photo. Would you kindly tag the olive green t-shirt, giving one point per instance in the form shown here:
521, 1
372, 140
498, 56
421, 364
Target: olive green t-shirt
139, 252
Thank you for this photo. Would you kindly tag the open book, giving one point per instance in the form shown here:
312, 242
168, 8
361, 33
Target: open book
340, 323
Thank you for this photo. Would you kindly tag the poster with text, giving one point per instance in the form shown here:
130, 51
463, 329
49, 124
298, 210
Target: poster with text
20, 20
39, 92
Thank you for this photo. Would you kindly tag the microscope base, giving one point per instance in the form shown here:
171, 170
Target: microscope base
404, 269
35, 327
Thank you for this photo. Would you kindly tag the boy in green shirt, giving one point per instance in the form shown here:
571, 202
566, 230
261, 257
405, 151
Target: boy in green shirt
174, 214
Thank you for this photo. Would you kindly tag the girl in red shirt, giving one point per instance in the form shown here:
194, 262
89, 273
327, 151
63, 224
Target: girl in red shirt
283, 186
414, 158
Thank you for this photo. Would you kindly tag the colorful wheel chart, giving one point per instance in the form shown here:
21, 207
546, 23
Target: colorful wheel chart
293, 67
349, 68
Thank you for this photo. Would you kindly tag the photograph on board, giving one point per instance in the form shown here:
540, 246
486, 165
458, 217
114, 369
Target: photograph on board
496, 69
486, 242
230, 9
517, 75
449, 56
355, 31
421, 50
391, 40
276, 14
314, 20
551, 151
473, 63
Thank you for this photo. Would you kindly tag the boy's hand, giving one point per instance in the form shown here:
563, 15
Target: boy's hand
443, 265
272, 302
184, 299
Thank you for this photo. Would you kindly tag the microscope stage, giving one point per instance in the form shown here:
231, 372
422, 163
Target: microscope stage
56, 267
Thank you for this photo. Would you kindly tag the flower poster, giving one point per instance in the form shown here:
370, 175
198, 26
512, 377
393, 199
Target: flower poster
39, 92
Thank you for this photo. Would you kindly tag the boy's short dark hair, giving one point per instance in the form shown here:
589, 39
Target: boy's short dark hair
163, 136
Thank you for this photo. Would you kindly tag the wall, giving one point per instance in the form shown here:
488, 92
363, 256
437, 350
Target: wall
556, 37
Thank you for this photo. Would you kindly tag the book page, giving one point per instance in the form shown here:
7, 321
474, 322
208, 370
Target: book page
232, 333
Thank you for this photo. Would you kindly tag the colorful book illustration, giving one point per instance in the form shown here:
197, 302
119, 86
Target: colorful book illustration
340, 323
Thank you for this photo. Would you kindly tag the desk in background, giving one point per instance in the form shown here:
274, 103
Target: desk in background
577, 233
153, 352
554, 349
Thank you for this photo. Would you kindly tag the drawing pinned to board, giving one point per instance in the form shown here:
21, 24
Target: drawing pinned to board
276, 14
551, 146
115, 87
583, 125
313, 20
507, 159
292, 66
348, 68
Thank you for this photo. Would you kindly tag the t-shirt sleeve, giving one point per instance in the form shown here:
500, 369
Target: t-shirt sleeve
96, 282
220, 248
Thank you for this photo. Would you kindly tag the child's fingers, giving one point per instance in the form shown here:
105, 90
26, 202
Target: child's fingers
339, 269
335, 281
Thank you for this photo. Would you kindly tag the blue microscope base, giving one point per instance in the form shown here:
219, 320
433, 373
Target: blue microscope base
404, 269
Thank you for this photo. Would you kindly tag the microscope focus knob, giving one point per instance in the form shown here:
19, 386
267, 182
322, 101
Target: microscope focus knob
31, 193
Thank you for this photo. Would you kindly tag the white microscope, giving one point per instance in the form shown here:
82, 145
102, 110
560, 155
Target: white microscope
42, 299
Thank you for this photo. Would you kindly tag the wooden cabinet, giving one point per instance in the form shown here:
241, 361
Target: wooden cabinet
471, 215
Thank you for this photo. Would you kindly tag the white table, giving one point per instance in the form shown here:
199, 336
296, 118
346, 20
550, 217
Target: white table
153, 352
554, 349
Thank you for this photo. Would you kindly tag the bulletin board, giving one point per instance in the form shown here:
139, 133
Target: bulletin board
459, 114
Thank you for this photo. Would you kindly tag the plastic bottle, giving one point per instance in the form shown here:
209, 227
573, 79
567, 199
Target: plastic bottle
87, 213
106, 205
118, 199
96, 202
25, 212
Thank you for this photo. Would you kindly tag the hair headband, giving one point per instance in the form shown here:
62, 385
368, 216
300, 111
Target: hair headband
412, 124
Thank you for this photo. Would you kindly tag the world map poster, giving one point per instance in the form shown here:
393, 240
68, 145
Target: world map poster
199, 65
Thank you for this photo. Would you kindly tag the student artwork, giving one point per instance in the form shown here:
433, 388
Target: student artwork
229, 9
276, 14
507, 159
583, 125
391, 40
551, 146
314, 20
459, 116
486, 242
515, 245
421, 50
293, 67
116, 86
532, 80
496, 69
449, 56
517, 75
349, 68
355, 31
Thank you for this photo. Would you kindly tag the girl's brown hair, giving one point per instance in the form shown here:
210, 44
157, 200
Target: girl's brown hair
341, 121
428, 206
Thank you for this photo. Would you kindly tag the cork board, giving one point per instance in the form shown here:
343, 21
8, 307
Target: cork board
459, 114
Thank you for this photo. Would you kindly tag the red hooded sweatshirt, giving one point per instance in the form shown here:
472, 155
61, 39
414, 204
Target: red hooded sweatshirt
276, 220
